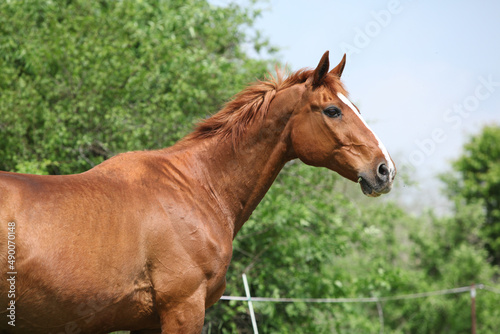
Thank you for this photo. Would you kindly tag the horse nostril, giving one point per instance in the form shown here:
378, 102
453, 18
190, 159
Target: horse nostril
383, 171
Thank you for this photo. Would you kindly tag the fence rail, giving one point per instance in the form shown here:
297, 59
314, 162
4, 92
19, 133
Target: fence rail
471, 289
364, 299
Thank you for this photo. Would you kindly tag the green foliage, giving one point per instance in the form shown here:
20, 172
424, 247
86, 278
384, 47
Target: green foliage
312, 237
476, 182
83, 80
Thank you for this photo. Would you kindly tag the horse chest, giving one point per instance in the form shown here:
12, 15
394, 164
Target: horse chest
187, 256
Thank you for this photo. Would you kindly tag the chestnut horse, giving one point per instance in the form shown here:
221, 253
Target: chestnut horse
142, 241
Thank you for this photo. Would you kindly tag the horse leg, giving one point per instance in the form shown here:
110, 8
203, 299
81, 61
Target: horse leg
185, 316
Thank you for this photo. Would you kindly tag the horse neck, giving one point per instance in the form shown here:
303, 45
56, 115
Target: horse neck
240, 174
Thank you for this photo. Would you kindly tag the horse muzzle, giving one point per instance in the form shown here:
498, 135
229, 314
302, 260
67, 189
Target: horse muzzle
378, 182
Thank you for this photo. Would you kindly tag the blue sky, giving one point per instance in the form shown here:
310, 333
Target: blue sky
425, 74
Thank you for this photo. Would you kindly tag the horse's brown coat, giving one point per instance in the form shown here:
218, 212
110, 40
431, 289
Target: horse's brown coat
143, 240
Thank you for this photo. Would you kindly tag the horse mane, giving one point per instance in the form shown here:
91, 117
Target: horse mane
252, 104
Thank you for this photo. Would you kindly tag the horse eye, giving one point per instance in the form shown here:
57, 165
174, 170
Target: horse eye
332, 112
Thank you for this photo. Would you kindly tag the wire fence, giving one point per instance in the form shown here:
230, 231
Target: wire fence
470, 289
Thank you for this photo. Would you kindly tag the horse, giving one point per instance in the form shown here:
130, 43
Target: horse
142, 241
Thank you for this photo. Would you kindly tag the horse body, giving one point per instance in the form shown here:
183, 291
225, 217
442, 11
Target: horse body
135, 231
103, 239
143, 240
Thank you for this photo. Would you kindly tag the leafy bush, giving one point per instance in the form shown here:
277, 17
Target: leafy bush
84, 80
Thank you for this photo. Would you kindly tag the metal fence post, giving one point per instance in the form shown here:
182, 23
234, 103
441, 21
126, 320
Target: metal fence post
473, 307
250, 305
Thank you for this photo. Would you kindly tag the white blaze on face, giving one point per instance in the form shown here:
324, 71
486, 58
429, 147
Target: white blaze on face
380, 145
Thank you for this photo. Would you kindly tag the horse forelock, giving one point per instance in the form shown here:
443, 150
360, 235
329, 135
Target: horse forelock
252, 104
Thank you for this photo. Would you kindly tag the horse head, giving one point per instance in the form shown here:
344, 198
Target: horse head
329, 131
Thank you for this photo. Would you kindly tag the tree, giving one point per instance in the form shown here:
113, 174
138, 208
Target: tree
83, 80
476, 181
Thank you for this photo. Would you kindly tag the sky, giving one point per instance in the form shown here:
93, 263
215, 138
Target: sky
425, 74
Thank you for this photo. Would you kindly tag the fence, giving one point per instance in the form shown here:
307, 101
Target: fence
471, 289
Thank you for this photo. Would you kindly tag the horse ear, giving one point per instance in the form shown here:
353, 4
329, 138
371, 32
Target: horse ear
321, 70
337, 70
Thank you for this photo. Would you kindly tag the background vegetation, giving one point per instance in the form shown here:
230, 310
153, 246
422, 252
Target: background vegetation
83, 80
